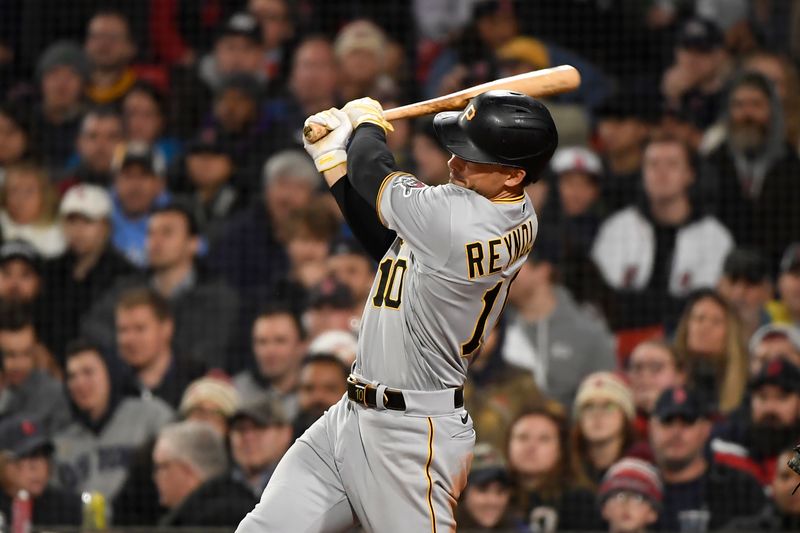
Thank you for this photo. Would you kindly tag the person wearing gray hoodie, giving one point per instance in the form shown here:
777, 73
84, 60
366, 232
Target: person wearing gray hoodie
551, 335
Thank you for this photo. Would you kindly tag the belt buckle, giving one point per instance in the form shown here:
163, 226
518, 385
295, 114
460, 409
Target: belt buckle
361, 392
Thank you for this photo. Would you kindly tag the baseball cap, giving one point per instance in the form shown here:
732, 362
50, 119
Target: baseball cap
746, 264
487, 466
21, 436
605, 386
632, 475
215, 390
526, 50
202, 145
87, 200
790, 262
626, 105
264, 412
330, 293
137, 153
778, 372
20, 249
700, 34
64, 53
577, 159
769, 331
242, 82
360, 35
680, 402
241, 24
347, 246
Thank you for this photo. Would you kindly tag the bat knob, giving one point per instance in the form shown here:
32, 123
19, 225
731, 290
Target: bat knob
314, 132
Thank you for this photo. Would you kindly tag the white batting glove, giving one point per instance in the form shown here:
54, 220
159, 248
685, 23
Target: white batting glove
366, 110
329, 151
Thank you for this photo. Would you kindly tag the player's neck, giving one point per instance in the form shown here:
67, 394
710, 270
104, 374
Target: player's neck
508, 193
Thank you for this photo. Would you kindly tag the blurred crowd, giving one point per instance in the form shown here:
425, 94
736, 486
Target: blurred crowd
180, 297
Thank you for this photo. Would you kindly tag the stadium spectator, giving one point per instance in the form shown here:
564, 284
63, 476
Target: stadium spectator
27, 389
497, 391
203, 307
602, 427
20, 273
28, 209
653, 253
430, 157
746, 285
145, 328
88, 267
15, 139
331, 307
679, 433
190, 468
277, 32
62, 72
106, 425
139, 189
260, 435
110, 48
652, 367
340, 343
751, 175
250, 253
630, 496
546, 492
754, 436
26, 464
787, 309
711, 350
211, 399
313, 80
278, 347
485, 503
323, 382
145, 115
349, 264
772, 341
550, 335
100, 133
695, 83
361, 50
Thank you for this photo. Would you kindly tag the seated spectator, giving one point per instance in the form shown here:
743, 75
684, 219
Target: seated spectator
331, 307
679, 433
87, 269
29, 208
313, 81
765, 427
782, 511
602, 430
653, 254
772, 341
546, 492
497, 391
145, 115
711, 350
15, 139
139, 189
485, 503
27, 465
351, 265
342, 344
190, 468
110, 48
430, 157
574, 346
745, 283
203, 307
787, 309
630, 496
27, 389
93, 452
260, 435
323, 382
652, 367
361, 48
62, 72
275, 18
20, 273
250, 253
278, 347
211, 399
100, 133
145, 328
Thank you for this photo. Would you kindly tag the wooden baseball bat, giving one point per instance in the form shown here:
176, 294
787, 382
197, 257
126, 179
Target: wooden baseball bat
537, 83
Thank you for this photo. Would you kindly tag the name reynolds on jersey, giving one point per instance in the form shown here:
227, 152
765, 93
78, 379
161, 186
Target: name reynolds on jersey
483, 258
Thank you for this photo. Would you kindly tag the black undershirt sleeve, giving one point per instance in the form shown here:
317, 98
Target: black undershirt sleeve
362, 219
369, 161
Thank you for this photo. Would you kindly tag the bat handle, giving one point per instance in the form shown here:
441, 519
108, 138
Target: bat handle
314, 132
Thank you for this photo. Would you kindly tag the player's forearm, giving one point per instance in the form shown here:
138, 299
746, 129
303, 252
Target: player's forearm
362, 219
369, 161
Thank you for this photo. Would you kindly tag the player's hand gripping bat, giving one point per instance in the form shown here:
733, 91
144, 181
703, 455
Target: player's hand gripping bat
538, 83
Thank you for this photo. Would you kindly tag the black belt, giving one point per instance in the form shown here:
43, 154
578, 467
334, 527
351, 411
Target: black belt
393, 399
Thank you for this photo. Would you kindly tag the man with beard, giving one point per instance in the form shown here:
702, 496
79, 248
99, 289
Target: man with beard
753, 440
679, 430
753, 174
323, 381
110, 48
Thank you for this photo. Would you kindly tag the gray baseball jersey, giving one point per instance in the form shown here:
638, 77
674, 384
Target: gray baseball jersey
442, 285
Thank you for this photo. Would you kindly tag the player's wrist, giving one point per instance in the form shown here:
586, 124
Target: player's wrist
330, 160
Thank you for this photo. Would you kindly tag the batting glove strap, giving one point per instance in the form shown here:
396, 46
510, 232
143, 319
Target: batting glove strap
330, 160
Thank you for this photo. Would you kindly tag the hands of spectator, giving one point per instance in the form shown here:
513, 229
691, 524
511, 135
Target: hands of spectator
676, 81
329, 152
366, 110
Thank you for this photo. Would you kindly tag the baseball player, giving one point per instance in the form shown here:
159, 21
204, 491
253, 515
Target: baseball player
394, 453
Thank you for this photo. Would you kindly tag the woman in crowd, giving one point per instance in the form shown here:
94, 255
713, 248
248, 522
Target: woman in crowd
547, 493
602, 428
144, 113
28, 207
711, 350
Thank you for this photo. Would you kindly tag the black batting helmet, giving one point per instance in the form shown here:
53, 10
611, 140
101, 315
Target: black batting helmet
501, 127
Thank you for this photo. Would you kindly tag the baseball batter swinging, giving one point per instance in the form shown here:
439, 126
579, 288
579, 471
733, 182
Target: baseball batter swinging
394, 453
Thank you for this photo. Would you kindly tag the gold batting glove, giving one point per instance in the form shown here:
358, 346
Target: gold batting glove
329, 151
366, 110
